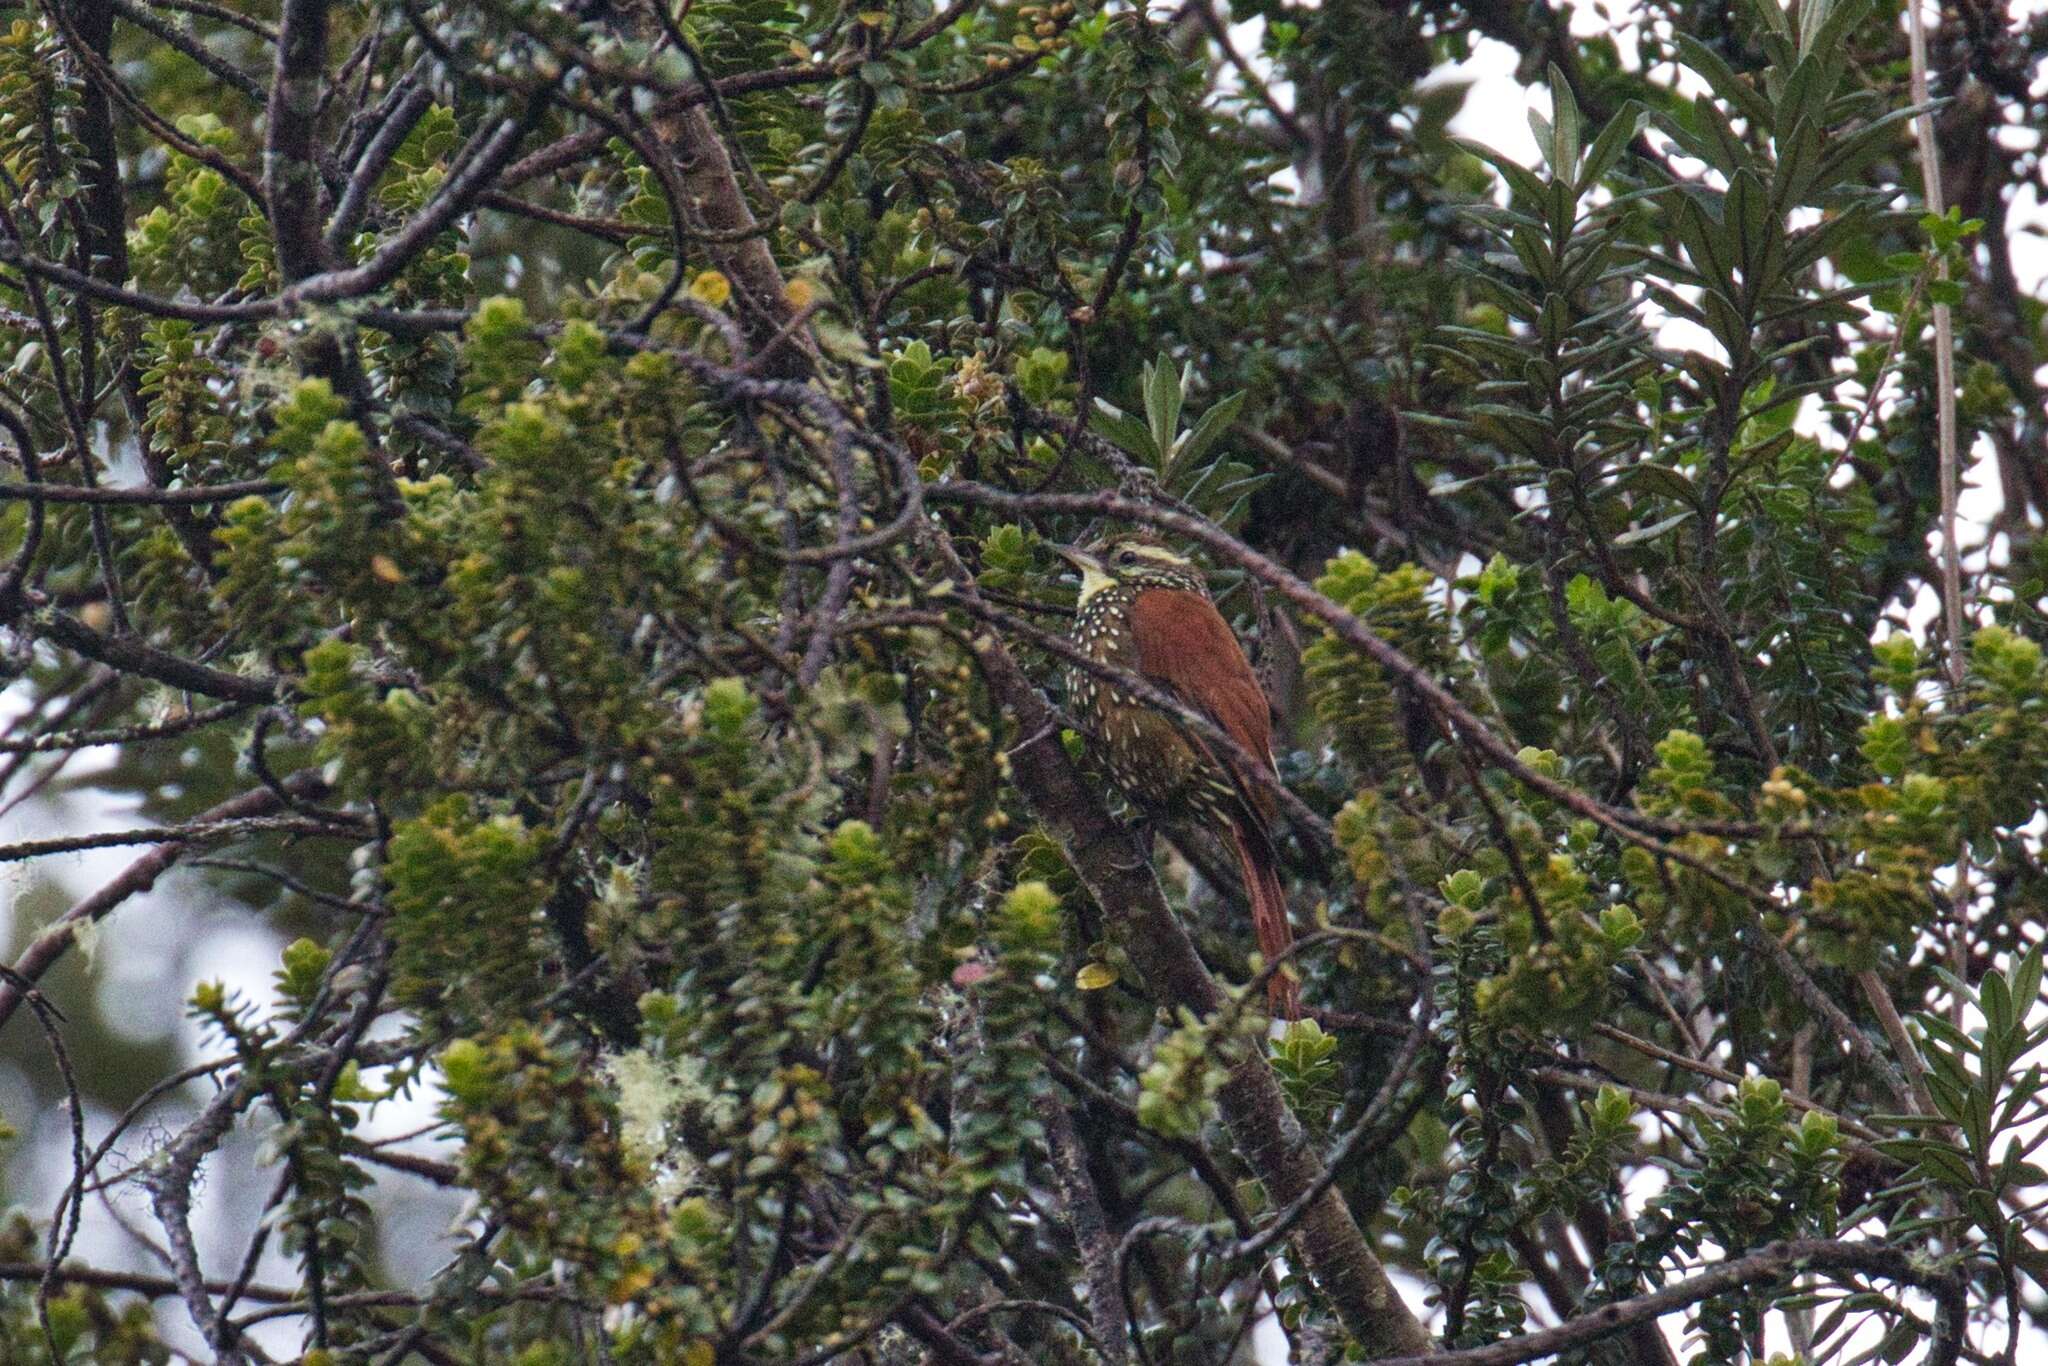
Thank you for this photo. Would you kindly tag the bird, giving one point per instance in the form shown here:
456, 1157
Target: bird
1145, 609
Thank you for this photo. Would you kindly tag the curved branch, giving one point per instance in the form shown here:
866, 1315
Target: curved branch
131, 656
1779, 1261
143, 497
138, 877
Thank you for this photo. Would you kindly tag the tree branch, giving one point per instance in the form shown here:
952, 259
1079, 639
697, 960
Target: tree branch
1779, 1261
138, 877
133, 657
1091, 1232
291, 181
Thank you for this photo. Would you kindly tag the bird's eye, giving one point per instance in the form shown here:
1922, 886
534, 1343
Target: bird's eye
1128, 557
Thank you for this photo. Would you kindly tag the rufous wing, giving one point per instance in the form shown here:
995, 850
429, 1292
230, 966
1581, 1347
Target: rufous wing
1184, 644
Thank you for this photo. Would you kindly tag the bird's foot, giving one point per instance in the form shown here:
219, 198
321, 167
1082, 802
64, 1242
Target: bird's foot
1142, 833
1051, 728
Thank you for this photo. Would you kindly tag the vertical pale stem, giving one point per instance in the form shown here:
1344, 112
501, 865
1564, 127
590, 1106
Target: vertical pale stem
1944, 356
1799, 1322
1951, 474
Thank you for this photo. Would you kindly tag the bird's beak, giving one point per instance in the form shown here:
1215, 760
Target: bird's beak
1094, 578
1077, 557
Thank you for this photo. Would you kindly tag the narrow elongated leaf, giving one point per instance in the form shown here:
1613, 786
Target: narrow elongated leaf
1163, 398
1449, 487
1628, 122
1733, 89
1546, 139
1947, 1033
1825, 33
1831, 1322
1514, 302
1523, 184
1852, 153
1727, 321
2018, 1094
1995, 997
1938, 1160
1772, 16
1660, 479
1798, 159
1812, 13
1706, 242
1564, 211
1826, 238
1706, 372
1665, 267
1817, 307
1529, 250
1789, 393
1643, 535
1207, 432
1584, 268
1731, 155
2026, 979
1564, 122
1748, 217
1471, 340
1764, 452
1698, 145
1805, 90
1125, 432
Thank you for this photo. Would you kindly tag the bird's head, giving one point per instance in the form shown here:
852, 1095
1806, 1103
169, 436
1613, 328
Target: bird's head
1134, 558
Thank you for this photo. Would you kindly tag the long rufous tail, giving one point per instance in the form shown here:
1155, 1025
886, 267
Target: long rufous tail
1269, 919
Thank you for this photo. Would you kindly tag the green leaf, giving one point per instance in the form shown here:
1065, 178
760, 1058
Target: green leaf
1772, 15
1839, 238
1565, 145
1523, 184
1705, 371
1660, 479
1195, 444
1729, 154
1805, 88
1850, 154
1729, 323
1621, 130
1733, 89
1947, 1033
1940, 1161
1798, 159
1674, 304
1534, 255
1645, 534
1995, 998
1546, 139
1124, 432
1756, 237
1705, 242
2026, 978
1825, 26
1163, 398
1899, 1343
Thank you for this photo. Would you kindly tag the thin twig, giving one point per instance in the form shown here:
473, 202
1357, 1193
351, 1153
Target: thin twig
46, 948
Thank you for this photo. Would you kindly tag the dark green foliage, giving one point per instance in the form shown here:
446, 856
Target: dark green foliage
602, 605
